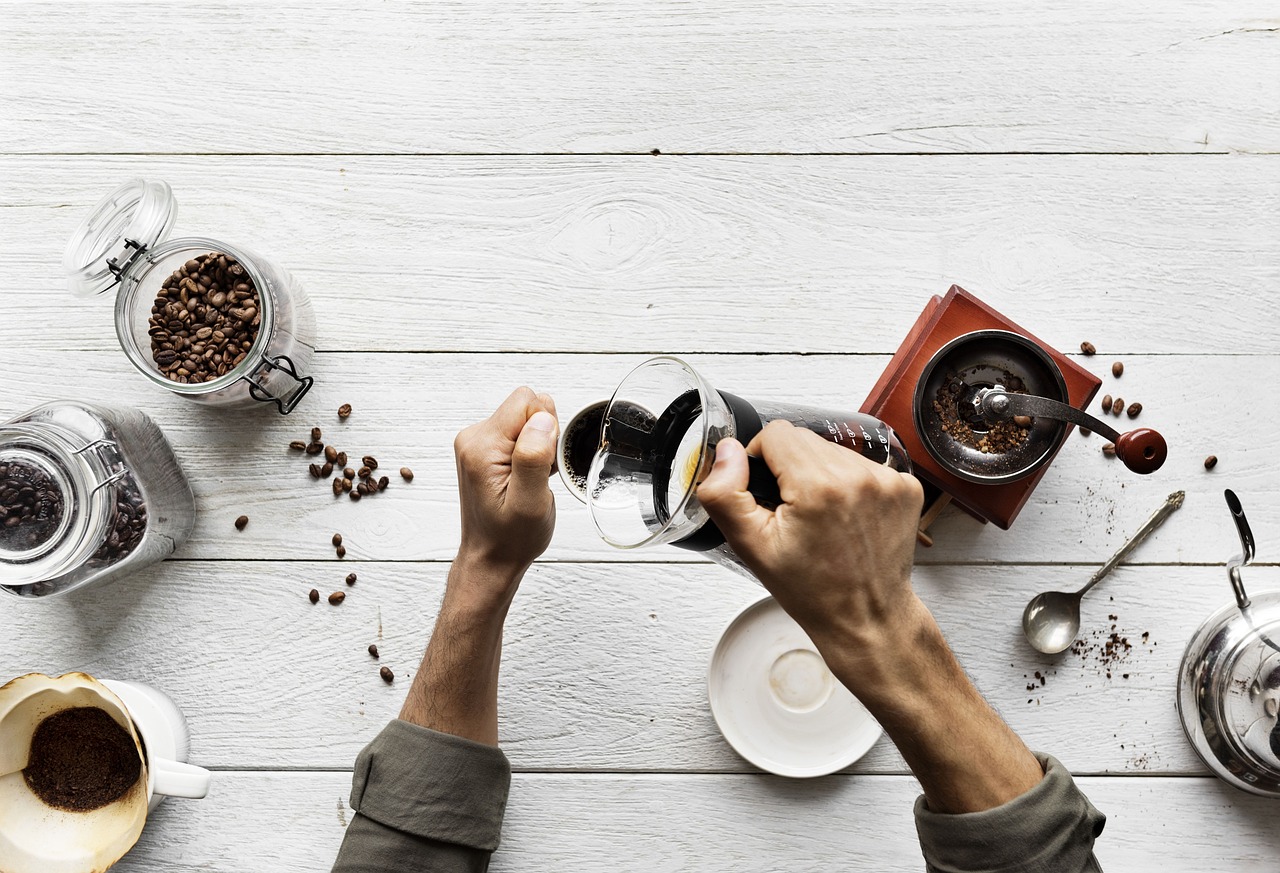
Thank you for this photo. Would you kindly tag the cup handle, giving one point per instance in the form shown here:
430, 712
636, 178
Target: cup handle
176, 779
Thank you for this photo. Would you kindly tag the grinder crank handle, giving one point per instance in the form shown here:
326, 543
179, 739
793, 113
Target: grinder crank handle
1142, 449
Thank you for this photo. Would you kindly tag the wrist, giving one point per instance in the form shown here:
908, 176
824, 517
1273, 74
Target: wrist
479, 582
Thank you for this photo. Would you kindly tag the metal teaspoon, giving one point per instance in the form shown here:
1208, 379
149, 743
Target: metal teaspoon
1052, 618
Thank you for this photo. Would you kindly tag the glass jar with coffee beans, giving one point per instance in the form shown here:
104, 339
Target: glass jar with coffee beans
88, 493
207, 320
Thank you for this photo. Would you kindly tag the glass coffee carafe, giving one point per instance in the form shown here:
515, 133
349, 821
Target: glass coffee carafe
656, 441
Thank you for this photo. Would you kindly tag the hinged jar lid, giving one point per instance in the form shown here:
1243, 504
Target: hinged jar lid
123, 225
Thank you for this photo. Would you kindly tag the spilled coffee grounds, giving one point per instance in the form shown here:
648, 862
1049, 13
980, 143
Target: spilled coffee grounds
81, 760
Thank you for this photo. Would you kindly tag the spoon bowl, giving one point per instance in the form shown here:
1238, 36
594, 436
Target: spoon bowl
1052, 620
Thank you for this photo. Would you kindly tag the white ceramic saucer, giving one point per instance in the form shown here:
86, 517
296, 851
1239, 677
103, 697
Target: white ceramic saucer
776, 702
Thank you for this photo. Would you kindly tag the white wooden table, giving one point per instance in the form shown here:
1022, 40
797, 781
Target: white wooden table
468, 192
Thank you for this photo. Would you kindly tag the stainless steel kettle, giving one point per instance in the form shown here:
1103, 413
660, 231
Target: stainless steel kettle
1229, 681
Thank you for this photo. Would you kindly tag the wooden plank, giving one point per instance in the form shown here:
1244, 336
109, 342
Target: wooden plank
604, 665
294, 822
1139, 254
926, 76
409, 407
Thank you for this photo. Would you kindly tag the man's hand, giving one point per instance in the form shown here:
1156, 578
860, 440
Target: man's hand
508, 514
837, 553
508, 511
837, 557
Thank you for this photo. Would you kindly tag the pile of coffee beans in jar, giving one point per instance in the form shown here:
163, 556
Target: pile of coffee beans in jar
128, 526
31, 506
204, 319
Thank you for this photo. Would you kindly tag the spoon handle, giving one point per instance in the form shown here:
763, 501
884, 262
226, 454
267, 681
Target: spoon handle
1171, 504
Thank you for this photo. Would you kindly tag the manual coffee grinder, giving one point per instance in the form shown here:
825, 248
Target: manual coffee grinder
983, 406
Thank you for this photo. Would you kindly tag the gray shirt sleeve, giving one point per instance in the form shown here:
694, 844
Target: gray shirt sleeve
424, 800
1049, 829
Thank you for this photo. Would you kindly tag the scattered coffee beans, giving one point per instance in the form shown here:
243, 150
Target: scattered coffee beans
314, 596
1117, 406
344, 411
81, 759
337, 486
1109, 450
316, 434
341, 551
406, 474
204, 319
364, 472
1211, 462
337, 539
356, 495
1084, 431
341, 460
1134, 409
349, 473
31, 506
387, 675
351, 578
370, 461
373, 650
315, 470
326, 470
347, 483
330, 454
1106, 402
1117, 369
383, 482
1088, 348
315, 448
337, 597
298, 445
241, 522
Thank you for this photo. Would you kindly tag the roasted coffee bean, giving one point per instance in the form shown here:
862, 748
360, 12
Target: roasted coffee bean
370, 461
315, 448
298, 445
387, 675
347, 483
199, 327
1023, 421
337, 539
356, 495
1109, 450
344, 410
31, 506
1088, 348
1211, 462
315, 471
330, 454
406, 474
337, 486
1117, 369
241, 522
383, 482
316, 434
373, 650
326, 469
1084, 431
351, 578
349, 473
314, 596
1106, 402
362, 488
1134, 409
365, 472
337, 597
1117, 406
341, 460
341, 551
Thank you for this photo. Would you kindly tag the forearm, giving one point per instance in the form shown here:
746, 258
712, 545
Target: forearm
456, 688
966, 758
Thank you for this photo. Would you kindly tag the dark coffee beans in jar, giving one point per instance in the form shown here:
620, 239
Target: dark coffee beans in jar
31, 506
204, 319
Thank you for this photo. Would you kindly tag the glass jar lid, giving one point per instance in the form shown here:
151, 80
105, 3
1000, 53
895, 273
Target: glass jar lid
125, 223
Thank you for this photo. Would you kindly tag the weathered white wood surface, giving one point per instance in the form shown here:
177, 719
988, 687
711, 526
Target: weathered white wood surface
777, 76
466, 191
408, 408
291, 822
1139, 254
604, 668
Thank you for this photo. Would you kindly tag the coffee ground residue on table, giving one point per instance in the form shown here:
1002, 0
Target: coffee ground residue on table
81, 760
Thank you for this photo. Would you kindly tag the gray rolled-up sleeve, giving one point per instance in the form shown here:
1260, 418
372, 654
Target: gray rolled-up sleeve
1049, 829
424, 800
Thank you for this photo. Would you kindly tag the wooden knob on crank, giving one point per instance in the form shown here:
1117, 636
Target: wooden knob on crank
1142, 450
